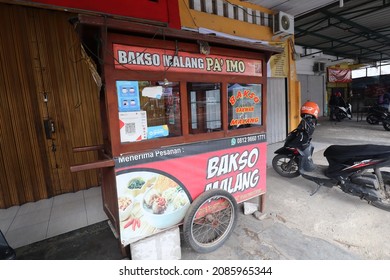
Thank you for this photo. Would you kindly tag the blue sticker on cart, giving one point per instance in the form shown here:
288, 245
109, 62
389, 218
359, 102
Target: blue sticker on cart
128, 96
158, 131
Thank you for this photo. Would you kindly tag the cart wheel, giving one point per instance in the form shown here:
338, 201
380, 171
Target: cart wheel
210, 220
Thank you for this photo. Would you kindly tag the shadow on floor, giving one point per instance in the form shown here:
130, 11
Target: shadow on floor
95, 242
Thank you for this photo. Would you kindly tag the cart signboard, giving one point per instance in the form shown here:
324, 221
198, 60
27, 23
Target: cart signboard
155, 188
137, 58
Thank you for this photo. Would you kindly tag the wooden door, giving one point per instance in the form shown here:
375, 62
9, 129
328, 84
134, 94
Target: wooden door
49, 104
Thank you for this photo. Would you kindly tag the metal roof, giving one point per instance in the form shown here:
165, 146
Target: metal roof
356, 29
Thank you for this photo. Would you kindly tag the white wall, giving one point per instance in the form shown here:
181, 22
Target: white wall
306, 58
314, 83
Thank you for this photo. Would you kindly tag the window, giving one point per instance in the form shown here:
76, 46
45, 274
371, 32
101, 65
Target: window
148, 110
204, 107
245, 105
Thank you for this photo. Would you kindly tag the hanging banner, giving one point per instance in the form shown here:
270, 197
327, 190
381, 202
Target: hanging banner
278, 63
337, 75
150, 59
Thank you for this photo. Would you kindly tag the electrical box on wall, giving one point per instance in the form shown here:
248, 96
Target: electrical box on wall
319, 67
283, 24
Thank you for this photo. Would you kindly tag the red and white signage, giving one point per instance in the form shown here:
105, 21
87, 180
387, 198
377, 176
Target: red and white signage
337, 75
151, 59
177, 175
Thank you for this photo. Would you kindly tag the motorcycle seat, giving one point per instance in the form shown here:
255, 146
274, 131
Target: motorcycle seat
356, 151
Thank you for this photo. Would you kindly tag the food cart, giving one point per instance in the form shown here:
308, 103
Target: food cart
185, 136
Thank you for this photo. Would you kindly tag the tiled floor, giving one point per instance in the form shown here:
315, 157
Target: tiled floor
32, 222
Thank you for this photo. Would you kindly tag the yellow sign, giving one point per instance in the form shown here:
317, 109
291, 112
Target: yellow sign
279, 62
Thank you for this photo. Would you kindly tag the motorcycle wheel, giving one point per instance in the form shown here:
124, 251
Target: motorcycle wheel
386, 125
285, 166
339, 116
371, 119
383, 204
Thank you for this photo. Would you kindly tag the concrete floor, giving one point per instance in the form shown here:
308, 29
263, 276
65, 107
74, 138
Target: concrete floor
330, 225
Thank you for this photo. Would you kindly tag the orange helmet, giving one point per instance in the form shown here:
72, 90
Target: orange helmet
310, 108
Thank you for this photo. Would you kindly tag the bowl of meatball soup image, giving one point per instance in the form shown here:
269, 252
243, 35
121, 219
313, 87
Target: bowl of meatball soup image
165, 203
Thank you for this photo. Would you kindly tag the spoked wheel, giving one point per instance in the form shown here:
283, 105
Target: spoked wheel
210, 220
285, 166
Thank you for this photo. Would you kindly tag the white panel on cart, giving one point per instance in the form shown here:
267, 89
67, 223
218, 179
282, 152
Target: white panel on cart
161, 246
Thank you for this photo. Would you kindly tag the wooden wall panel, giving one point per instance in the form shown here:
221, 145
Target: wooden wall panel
40, 54
23, 165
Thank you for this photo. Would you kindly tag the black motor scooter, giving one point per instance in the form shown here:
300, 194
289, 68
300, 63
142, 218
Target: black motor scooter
356, 169
342, 112
287, 157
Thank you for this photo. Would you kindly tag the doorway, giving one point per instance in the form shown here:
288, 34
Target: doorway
49, 105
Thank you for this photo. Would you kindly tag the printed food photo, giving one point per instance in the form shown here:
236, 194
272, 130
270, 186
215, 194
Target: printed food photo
149, 202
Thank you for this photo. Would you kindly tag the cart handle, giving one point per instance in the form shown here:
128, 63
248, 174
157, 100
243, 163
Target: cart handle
104, 163
88, 148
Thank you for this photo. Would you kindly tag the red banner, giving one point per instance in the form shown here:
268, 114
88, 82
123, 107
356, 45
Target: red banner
156, 188
150, 59
337, 75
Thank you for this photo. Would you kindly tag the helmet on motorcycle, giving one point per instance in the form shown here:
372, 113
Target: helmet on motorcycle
310, 108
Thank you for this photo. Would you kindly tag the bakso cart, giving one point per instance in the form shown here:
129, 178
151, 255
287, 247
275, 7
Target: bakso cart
185, 134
